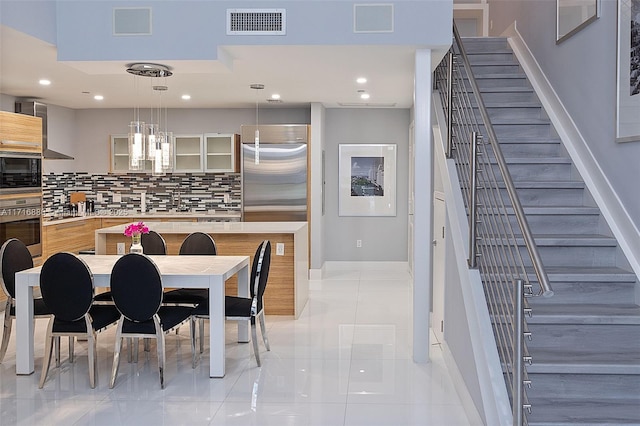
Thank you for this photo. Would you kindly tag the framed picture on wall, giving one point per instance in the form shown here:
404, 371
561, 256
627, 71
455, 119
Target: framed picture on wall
628, 76
367, 179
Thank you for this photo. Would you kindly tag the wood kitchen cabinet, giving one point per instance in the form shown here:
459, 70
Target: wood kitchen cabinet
69, 236
20, 132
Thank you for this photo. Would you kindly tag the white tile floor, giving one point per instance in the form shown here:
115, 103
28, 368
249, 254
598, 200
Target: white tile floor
345, 361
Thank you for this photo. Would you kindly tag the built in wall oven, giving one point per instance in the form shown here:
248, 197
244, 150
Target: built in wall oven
20, 218
20, 172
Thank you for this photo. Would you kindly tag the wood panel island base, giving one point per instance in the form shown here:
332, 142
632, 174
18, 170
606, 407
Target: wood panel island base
288, 286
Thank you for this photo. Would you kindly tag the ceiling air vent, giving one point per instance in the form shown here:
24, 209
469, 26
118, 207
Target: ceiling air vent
256, 22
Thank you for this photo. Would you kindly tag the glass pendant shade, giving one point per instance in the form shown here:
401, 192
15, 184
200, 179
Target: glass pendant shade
136, 145
163, 154
152, 136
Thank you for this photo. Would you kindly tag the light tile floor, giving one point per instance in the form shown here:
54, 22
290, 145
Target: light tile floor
345, 361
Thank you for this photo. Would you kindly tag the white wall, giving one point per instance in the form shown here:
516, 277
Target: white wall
582, 71
383, 238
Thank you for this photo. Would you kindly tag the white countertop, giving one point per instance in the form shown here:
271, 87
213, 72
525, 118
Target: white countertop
147, 216
215, 227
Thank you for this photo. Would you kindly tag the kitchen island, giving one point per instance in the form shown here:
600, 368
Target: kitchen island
288, 286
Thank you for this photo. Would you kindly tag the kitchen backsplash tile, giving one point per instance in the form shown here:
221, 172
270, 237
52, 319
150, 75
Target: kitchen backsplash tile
194, 192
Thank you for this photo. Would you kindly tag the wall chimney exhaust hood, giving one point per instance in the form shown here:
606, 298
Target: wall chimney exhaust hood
38, 109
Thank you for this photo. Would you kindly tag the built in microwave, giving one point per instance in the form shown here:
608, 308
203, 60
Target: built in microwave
20, 172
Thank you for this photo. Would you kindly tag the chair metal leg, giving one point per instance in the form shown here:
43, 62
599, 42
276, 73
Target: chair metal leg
6, 333
254, 339
192, 326
263, 329
201, 325
136, 347
91, 341
47, 354
160, 349
116, 354
71, 352
57, 348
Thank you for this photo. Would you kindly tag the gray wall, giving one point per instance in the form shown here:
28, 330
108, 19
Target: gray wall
383, 238
582, 70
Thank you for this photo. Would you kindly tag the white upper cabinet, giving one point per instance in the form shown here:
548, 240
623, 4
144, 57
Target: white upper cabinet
193, 153
188, 153
120, 156
220, 152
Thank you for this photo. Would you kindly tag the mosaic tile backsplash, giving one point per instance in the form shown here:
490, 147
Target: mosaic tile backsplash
184, 192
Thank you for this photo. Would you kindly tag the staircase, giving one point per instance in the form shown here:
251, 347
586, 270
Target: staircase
586, 338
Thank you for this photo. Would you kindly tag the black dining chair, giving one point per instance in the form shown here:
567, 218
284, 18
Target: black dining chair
246, 308
67, 289
152, 243
196, 243
136, 287
15, 257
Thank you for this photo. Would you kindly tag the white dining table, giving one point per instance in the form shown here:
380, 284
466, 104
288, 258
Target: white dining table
177, 272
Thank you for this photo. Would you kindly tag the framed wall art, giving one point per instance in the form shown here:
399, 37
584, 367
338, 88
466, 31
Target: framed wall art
367, 179
574, 15
628, 76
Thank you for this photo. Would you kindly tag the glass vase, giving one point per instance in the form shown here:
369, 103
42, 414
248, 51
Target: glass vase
136, 245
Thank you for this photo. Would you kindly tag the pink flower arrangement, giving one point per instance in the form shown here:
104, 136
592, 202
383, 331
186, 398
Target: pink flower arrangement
135, 229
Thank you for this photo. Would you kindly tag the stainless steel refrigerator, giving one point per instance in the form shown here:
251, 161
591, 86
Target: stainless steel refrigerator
274, 185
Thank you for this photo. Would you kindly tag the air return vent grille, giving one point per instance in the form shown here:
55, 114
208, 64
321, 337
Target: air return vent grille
256, 22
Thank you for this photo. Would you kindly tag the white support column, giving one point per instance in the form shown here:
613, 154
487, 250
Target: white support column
422, 231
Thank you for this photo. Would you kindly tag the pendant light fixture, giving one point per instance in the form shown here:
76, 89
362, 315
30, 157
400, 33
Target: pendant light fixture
153, 137
256, 140
136, 136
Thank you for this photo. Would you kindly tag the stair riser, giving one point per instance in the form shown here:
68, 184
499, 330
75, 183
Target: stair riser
572, 197
505, 113
605, 339
492, 83
506, 97
574, 256
522, 130
560, 224
519, 150
496, 69
484, 45
585, 385
490, 57
586, 293
537, 172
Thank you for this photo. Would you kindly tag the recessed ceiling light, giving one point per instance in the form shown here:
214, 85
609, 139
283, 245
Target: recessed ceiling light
275, 96
186, 97
364, 96
98, 97
361, 80
45, 82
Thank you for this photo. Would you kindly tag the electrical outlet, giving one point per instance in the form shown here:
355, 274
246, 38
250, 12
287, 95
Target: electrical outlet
358, 243
99, 197
117, 197
279, 249
120, 248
